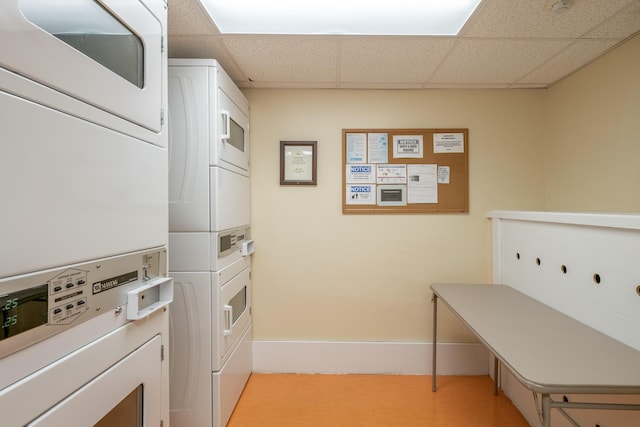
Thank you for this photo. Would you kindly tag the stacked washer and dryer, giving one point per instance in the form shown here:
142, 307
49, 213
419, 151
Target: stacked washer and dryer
83, 220
209, 243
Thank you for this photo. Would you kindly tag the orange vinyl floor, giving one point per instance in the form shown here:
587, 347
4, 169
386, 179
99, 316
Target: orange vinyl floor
300, 400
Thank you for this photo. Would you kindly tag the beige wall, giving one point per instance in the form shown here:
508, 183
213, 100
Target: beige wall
593, 135
321, 275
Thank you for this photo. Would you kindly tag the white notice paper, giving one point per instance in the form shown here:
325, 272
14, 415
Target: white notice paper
448, 142
444, 172
422, 184
391, 174
360, 174
361, 194
378, 147
356, 148
407, 146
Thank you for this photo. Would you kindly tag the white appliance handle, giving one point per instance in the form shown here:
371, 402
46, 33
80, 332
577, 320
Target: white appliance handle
143, 301
246, 248
228, 320
226, 124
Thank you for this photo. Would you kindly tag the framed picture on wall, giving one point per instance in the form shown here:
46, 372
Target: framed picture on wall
298, 162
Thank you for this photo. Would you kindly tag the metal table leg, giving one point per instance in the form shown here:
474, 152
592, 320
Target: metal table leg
546, 410
496, 375
435, 332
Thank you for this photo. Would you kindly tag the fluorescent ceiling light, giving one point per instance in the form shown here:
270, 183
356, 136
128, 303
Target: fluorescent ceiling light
367, 17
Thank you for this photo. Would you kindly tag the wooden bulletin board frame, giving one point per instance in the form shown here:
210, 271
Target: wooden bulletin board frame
447, 156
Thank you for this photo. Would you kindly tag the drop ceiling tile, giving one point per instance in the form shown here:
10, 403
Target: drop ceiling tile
208, 47
382, 85
285, 58
574, 57
622, 25
534, 19
291, 85
187, 17
465, 86
398, 61
487, 61
195, 46
507, 43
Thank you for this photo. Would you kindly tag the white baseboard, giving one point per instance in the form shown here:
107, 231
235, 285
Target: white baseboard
330, 357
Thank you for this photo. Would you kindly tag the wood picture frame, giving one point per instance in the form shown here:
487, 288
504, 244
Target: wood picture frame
298, 162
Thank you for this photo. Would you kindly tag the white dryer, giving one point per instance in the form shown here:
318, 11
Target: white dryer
209, 242
83, 212
209, 187
83, 158
211, 339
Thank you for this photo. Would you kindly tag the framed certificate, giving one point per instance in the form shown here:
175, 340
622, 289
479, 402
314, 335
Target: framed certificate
298, 162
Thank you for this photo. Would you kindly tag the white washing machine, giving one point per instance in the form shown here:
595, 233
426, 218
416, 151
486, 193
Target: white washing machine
83, 159
211, 344
209, 243
83, 218
84, 344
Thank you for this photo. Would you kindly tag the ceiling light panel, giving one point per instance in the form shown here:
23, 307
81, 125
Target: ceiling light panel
342, 17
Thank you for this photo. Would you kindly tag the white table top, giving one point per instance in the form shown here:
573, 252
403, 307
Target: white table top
546, 350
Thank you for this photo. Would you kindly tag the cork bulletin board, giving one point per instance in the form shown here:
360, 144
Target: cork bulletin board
403, 171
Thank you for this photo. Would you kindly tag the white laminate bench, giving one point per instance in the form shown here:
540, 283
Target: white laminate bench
568, 322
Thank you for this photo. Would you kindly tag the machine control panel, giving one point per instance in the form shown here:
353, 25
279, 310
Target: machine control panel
37, 305
67, 297
230, 241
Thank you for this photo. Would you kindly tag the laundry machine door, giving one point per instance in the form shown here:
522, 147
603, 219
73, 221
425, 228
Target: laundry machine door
128, 394
190, 347
107, 53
